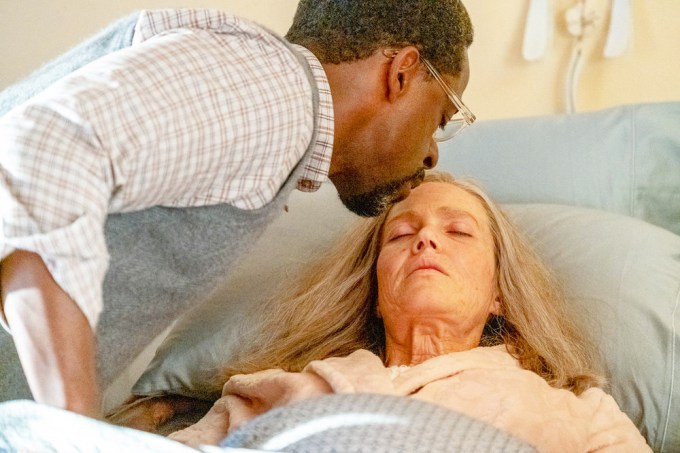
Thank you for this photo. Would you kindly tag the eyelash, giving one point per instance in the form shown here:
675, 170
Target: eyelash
399, 236
459, 233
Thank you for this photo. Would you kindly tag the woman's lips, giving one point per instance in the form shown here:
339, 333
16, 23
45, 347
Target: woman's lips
427, 266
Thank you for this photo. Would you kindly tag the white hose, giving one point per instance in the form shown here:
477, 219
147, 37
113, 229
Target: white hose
573, 74
578, 25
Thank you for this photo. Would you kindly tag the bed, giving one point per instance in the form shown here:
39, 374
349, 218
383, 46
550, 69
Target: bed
597, 193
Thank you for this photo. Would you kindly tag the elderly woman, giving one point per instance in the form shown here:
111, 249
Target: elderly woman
441, 300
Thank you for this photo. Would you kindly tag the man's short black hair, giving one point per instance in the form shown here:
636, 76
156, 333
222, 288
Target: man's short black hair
345, 30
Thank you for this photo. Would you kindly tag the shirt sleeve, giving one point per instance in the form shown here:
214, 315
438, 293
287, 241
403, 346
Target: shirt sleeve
54, 190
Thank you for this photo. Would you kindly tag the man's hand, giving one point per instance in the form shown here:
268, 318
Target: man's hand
54, 341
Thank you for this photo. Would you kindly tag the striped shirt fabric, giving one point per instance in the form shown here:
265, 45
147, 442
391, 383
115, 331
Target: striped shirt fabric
204, 108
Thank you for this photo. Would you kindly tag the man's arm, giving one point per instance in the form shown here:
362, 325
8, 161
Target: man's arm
54, 341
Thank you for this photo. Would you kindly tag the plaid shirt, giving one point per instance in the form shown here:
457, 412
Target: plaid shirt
204, 108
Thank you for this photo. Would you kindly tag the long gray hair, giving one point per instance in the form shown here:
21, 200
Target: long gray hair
331, 311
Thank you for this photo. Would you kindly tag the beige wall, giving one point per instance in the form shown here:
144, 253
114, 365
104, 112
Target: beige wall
502, 83
34, 31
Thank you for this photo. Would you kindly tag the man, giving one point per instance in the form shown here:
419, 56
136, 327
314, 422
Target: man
198, 131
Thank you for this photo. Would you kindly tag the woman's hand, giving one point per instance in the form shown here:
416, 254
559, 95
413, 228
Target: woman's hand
150, 412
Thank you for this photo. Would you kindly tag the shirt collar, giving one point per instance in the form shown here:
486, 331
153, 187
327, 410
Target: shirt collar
316, 168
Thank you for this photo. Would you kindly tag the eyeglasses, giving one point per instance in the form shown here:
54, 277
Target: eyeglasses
463, 116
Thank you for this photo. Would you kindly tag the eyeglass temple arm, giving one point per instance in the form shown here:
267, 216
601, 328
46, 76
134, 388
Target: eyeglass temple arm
462, 108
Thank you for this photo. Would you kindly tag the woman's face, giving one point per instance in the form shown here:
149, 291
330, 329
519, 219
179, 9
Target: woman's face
437, 261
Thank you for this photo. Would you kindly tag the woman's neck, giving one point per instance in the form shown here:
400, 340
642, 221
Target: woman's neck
417, 342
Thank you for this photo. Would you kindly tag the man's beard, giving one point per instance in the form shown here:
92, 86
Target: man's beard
378, 200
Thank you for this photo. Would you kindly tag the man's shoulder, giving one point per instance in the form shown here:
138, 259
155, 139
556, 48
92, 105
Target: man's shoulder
153, 22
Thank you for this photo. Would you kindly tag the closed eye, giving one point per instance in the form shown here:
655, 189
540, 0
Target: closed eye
399, 236
462, 230
400, 231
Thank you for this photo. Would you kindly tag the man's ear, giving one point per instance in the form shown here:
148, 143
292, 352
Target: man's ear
402, 71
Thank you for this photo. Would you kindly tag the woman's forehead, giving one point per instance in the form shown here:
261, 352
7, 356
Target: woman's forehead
441, 199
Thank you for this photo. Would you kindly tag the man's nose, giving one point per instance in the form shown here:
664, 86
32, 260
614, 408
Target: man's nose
432, 156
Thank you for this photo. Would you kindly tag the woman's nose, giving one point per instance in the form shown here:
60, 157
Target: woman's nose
426, 238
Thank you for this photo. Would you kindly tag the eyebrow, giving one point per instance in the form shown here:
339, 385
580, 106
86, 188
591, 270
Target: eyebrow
446, 211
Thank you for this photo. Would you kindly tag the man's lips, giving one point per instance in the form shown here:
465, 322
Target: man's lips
409, 185
402, 194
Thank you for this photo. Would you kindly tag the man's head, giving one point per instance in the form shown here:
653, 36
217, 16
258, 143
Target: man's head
387, 105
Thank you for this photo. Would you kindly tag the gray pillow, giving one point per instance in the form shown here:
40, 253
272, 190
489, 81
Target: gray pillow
622, 276
624, 159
